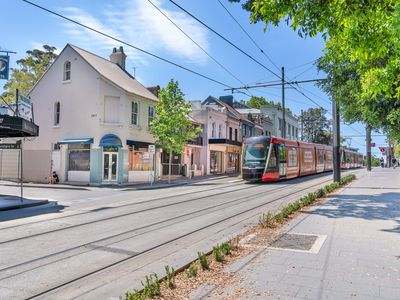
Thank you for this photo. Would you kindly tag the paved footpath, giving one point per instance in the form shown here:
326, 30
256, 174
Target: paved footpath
359, 258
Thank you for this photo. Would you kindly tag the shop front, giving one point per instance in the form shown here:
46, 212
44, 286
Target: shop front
110, 145
141, 162
233, 159
216, 162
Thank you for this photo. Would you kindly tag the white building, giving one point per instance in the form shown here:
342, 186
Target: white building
93, 118
291, 122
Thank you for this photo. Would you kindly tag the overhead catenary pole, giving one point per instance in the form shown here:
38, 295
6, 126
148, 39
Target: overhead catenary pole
368, 145
302, 125
283, 129
336, 140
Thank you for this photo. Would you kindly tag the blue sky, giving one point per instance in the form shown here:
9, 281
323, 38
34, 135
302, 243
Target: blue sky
137, 22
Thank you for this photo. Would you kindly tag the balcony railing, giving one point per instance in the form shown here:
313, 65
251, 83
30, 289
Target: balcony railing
224, 141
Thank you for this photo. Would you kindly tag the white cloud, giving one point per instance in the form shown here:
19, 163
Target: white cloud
138, 23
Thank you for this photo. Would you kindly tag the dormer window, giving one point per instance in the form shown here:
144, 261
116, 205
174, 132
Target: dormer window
67, 71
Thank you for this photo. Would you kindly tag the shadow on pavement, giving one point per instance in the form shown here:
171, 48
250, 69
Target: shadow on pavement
29, 212
384, 206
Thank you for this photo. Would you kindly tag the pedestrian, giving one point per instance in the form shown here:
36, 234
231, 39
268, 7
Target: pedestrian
54, 178
394, 162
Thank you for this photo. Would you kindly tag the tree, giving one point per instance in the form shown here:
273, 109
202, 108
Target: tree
316, 126
257, 102
361, 55
171, 127
31, 68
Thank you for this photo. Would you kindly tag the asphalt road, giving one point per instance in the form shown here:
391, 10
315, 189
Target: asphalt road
99, 242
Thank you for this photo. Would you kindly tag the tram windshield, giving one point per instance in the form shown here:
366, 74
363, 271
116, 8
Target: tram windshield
255, 154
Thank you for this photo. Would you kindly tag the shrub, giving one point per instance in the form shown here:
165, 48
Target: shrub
203, 261
226, 248
218, 255
151, 288
170, 277
135, 295
267, 220
191, 271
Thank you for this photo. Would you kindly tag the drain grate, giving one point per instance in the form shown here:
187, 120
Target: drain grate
302, 242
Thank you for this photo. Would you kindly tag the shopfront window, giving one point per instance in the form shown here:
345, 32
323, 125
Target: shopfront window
215, 162
140, 159
78, 157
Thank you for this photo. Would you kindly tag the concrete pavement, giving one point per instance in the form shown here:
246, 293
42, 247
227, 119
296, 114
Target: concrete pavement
358, 256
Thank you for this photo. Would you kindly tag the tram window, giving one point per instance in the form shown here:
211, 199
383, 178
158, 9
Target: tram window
320, 157
272, 162
282, 153
255, 154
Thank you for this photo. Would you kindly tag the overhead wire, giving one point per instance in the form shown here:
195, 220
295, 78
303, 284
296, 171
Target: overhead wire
128, 44
224, 38
249, 36
197, 44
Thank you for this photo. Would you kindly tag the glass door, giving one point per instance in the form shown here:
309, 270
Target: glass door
110, 166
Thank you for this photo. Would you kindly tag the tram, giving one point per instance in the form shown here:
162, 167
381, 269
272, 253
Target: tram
268, 158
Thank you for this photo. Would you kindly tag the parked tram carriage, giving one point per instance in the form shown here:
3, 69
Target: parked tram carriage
272, 159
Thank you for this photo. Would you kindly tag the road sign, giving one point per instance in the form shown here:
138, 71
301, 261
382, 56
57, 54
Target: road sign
373, 145
152, 149
10, 146
382, 149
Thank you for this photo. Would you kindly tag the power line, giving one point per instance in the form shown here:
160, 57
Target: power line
197, 44
224, 38
248, 35
127, 44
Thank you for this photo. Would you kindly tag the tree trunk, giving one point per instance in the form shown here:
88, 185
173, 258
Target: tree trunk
170, 166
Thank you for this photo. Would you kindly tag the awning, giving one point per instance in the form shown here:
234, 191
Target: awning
138, 144
77, 140
17, 127
110, 140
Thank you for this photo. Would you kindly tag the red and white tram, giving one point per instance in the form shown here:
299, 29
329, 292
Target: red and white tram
272, 159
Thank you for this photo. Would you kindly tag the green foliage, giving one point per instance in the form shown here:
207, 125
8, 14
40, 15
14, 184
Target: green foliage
361, 55
135, 295
226, 248
191, 271
257, 102
316, 126
203, 261
375, 161
31, 68
217, 253
267, 220
151, 288
170, 277
171, 127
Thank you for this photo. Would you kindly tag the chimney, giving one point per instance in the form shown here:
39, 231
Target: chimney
227, 99
118, 57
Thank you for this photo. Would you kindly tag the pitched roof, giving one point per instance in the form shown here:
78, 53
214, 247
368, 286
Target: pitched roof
114, 73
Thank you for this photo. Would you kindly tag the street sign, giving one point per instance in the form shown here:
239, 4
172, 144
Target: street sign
10, 146
152, 149
382, 149
4, 66
373, 145
25, 108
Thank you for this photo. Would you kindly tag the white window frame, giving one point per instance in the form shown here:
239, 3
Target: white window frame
57, 113
135, 115
67, 71
150, 117
220, 131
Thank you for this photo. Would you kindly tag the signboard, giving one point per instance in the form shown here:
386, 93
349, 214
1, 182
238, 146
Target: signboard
10, 146
17, 127
4, 66
382, 149
373, 145
152, 149
25, 108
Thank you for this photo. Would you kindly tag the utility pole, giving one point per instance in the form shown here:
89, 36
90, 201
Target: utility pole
302, 126
336, 140
368, 144
283, 104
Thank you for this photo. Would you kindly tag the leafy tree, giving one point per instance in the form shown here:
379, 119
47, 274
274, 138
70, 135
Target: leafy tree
316, 126
171, 127
257, 102
31, 68
361, 55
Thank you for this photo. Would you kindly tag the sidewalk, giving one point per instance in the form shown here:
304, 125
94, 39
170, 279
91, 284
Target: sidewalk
355, 249
125, 186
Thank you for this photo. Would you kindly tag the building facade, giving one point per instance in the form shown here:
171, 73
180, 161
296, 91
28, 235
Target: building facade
275, 115
94, 120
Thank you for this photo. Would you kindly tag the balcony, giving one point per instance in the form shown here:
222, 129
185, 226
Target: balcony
197, 141
224, 141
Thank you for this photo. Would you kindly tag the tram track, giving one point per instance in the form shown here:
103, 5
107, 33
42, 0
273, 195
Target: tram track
123, 205
241, 199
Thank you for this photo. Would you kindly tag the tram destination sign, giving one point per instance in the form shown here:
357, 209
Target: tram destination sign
10, 146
